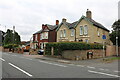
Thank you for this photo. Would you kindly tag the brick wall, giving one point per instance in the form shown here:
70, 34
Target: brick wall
111, 50
81, 54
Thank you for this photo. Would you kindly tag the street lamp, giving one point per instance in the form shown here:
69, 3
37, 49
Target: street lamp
116, 30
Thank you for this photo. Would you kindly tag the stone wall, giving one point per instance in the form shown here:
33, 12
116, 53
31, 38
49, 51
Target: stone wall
81, 54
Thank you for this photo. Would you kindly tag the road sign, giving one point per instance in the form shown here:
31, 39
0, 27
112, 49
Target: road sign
104, 37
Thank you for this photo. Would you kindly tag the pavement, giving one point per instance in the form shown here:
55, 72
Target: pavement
37, 66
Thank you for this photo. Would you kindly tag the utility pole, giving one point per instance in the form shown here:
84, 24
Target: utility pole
13, 36
117, 41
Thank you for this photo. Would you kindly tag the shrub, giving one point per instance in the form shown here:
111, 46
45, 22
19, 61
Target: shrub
61, 46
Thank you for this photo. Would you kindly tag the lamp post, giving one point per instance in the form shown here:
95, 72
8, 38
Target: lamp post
13, 36
116, 40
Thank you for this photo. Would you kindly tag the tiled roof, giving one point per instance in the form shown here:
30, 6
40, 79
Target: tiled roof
38, 32
71, 25
97, 24
52, 27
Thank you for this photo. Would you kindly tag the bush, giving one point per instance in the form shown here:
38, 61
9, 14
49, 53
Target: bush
10, 46
61, 46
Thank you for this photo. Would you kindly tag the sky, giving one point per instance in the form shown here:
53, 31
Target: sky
28, 15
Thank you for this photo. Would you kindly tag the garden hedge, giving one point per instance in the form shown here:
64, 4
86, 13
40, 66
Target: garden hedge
61, 46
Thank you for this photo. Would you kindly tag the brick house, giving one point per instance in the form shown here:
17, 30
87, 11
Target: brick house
84, 30
45, 35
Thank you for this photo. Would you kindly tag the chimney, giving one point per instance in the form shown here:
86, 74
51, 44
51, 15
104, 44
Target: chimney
43, 26
64, 20
57, 22
89, 14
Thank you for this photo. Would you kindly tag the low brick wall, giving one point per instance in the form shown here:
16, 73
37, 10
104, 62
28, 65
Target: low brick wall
81, 54
111, 50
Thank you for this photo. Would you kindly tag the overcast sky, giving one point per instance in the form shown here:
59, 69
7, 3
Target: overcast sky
29, 15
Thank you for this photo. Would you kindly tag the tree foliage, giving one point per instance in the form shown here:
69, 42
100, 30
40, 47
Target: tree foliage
11, 38
115, 32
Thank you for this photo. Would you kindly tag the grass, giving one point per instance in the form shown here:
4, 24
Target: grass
111, 59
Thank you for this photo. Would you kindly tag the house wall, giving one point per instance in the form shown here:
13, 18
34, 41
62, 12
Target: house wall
68, 34
92, 33
52, 36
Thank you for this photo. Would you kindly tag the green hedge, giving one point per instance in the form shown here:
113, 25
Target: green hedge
61, 46
11, 46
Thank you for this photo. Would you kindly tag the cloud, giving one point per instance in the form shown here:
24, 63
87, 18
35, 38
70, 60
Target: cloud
29, 15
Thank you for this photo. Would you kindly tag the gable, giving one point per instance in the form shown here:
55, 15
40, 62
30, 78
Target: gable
62, 24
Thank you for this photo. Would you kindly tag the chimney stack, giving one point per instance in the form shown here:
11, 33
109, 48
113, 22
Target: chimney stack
89, 14
43, 26
57, 22
64, 20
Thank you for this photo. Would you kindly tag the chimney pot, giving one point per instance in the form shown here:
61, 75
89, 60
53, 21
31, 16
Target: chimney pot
89, 14
43, 26
64, 20
57, 22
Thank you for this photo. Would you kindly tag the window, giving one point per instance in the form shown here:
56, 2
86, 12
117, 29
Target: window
46, 35
81, 30
40, 36
61, 33
64, 33
98, 33
36, 37
86, 40
85, 30
72, 32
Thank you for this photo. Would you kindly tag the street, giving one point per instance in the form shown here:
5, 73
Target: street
19, 66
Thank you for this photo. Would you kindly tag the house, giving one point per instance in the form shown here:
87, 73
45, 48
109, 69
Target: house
45, 35
84, 30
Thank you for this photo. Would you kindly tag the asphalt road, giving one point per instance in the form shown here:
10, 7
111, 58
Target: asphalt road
19, 66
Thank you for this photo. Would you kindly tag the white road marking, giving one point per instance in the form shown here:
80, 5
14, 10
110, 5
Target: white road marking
103, 73
52, 63
117, 71
20, 69
80, 65
101, 69
2, 59
90, 67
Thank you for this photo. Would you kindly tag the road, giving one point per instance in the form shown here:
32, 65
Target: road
19, 66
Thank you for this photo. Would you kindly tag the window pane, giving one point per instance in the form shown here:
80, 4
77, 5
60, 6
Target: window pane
81, 30
85, 30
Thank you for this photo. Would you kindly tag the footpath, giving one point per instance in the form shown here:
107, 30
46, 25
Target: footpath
82, 62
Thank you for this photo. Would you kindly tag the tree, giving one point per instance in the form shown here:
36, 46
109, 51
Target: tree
115, 32
9, 38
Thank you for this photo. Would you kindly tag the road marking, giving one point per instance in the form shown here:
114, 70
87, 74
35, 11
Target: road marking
117, 71
103, 73
20, 69
101, 69
80, 65
52, 63
90, 67
2, 59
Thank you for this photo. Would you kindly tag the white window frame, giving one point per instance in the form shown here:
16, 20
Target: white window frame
81, 30
61, 33
40, 36
72, 32
46, 35
36, 37
64, 33
85, 30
